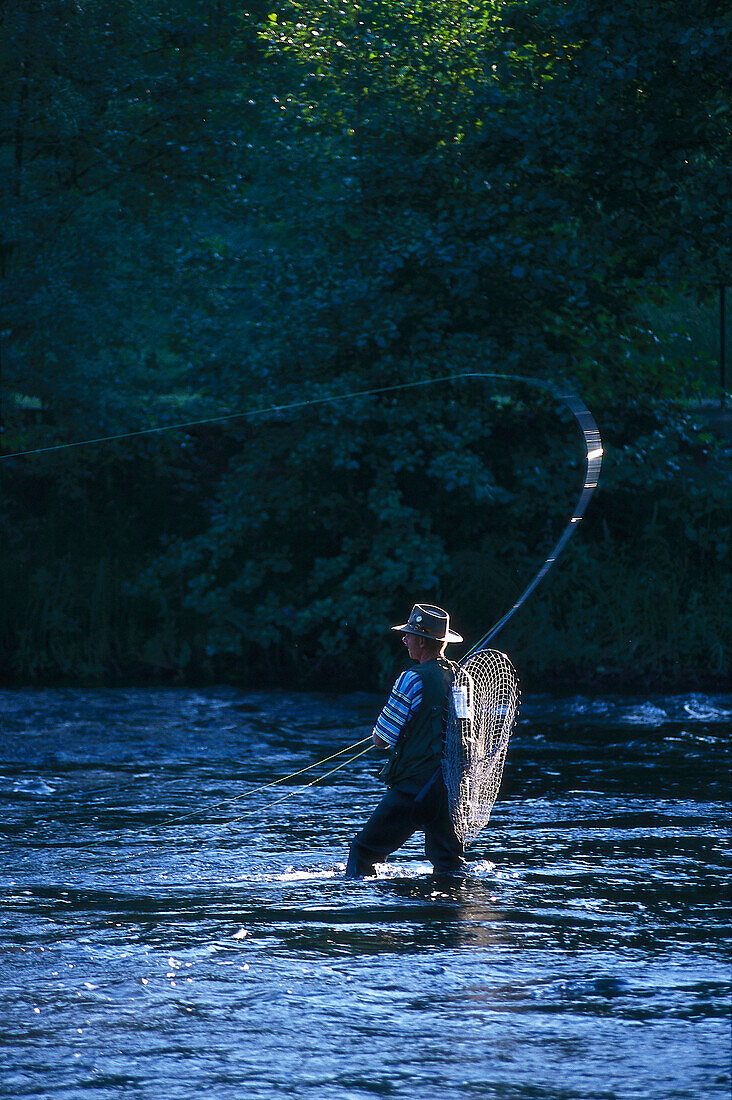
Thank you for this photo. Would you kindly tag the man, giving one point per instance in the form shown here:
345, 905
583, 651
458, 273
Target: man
412, 728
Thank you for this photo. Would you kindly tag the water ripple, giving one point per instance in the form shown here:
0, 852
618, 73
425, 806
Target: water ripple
158, 940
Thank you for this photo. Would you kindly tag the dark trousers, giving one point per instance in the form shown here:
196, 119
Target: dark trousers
397, 817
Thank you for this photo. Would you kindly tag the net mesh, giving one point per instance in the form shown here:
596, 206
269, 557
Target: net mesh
482, 711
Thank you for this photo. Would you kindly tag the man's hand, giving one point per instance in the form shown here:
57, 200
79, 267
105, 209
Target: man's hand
378, 742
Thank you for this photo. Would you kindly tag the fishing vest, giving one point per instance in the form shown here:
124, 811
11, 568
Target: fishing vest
418, 750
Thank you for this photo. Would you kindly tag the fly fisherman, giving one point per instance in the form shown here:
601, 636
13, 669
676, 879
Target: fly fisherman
412, 728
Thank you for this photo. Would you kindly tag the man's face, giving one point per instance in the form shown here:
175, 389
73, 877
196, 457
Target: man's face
412, 642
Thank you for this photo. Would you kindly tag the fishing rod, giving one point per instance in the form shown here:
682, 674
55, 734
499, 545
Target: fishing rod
587, 425
593, 462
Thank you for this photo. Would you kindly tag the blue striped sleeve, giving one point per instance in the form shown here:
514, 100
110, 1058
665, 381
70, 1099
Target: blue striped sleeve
406, 695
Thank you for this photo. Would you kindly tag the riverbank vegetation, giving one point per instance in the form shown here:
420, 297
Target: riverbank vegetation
212, 210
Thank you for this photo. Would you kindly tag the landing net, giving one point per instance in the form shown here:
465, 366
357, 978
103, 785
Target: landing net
481, 713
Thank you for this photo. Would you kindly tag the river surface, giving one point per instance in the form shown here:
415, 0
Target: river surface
169, 934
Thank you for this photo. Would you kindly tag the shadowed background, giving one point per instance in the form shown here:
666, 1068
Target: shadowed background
211, 209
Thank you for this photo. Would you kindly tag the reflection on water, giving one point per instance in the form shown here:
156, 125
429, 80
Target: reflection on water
165, 934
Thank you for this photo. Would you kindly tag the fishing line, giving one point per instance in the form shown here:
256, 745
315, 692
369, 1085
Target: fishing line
299, 790
264, 786
302, 771
270, 805
234, 798
247, 413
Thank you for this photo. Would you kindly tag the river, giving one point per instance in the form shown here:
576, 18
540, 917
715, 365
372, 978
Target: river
169, 934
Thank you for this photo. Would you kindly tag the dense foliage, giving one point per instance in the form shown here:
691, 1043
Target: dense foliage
210, 209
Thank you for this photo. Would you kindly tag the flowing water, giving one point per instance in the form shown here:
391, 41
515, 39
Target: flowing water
166, 935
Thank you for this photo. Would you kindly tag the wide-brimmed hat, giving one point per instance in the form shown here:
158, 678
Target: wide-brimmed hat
428, 621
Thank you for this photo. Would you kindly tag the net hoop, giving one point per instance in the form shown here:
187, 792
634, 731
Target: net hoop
482, 710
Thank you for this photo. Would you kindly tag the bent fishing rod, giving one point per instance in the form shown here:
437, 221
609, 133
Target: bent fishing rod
566, 397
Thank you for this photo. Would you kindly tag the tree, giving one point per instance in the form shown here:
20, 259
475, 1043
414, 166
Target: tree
518, 172
398, 192
119, 124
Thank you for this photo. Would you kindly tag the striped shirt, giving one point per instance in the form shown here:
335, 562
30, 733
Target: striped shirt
406, 695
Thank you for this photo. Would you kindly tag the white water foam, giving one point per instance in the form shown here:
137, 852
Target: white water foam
481, 867
37, 785
645, 715
704, 710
